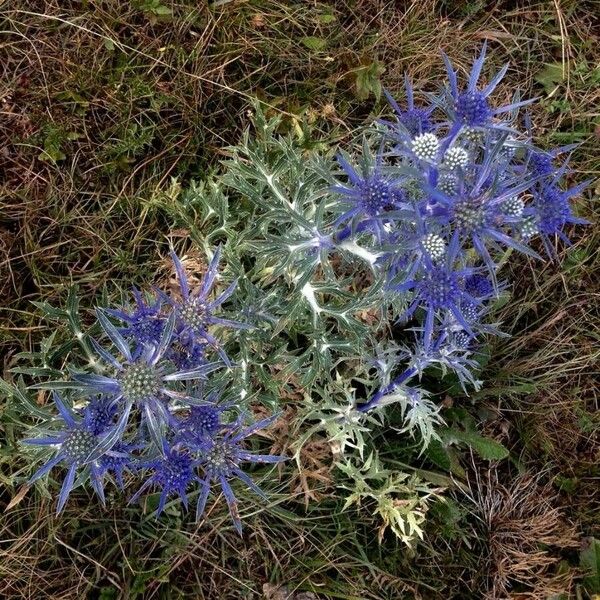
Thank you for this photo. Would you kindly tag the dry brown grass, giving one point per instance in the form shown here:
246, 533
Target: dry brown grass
526, 533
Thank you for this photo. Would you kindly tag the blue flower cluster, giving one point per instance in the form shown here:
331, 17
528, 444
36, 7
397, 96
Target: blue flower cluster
451, 187
153, 411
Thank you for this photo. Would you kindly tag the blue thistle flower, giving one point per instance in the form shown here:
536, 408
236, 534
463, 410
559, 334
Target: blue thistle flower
220, 459
414, 119
99, 414
461, 339
470, 107
439, 290
479, 286
172, 472
540, 163
475, 210
118, 460
552, 210
202, 423
408, 245
194, 312
145, 324
370, 194
470, 312
186, 357
78, 445
370, 198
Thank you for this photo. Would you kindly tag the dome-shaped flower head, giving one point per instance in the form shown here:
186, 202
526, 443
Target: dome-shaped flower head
203, 421
78, 446
143, 378
461, 339
479, 286
99, 414
172, 472
145, 324
470, 107
456, 157
434, 246
187, 357
408, 246
513, 207
425, 146
195, 310
220, 461
540, 163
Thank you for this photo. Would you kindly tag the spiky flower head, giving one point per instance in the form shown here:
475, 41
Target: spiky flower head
416, 120
528, 228
471, 215
554, 210
470, 311
472, 134
195, 311
100, 414
475, 211
140, 382
448, 184
439, 288
144, 378
479, 286
377, 195
369, 194
78, 445
461, 339
145, 324
472, 108
540, 163
172, 472
220, 461
202, 423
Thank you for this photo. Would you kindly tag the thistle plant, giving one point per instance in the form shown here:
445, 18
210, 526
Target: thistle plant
386, 259
146, 412
357, 273
423, 211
